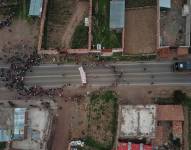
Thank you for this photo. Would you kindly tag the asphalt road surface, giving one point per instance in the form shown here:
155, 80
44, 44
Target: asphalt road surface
150, 73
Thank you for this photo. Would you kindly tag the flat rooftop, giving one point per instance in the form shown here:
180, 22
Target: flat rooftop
137, 121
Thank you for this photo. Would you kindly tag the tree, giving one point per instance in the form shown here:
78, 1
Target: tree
179, 97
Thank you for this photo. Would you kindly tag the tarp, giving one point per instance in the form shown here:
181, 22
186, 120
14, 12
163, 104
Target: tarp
19, 123
117, 14
165, 3
35, 8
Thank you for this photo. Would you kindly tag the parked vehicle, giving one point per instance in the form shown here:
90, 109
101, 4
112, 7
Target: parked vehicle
182, 66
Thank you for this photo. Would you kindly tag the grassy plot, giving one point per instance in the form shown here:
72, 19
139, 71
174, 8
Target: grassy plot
121, 57
140, 3
22, 9
80, 37
101, 30
2, 145
102, 121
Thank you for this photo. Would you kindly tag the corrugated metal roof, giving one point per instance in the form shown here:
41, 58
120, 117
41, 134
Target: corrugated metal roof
19, 122
117, 14
5, 135
35, 7
165, 3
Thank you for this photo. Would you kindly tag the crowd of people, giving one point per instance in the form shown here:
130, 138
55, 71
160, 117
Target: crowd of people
7, 20
14, 75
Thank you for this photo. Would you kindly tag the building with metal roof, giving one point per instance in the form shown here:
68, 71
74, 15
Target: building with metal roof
12, 124
19, 123
165, 3
117, 14
35, 7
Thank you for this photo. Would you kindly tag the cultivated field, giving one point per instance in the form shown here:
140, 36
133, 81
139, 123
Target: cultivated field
100, 26
140, 30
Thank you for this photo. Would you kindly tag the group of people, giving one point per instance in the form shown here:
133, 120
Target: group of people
7, 21
14, 75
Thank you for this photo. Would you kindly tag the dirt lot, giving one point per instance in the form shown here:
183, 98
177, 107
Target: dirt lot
140, 30
172, 25
71, 119
20, 32
61, 25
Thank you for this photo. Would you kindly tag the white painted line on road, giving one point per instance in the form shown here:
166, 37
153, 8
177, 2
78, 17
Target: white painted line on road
141, 63
126, 74
48, 76
53, 76
146, 84
55, 65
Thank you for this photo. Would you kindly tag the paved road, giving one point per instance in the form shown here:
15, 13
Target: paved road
152, 73
123, 74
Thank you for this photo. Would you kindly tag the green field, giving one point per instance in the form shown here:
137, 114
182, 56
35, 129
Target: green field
102, 121
101, 30
80, 37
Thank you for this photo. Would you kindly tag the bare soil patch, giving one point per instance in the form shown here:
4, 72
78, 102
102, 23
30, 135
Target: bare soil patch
71, 119
140, 30
173, 25
20, 32
147, 94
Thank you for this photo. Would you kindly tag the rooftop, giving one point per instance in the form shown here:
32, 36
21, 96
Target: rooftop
38, 127
165, 3
130, 146
137, 121
170, 113
177, 129
35, 7
117, 14
12, 123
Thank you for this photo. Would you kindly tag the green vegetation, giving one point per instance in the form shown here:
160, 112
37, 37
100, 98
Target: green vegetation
22, 9
121, 57
101, 29
2, 145
141, 3
102, 120
80, 37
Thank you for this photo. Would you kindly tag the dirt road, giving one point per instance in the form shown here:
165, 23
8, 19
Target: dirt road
77, 17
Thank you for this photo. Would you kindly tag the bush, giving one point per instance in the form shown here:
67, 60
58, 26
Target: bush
179, 97
2, 145
80, 37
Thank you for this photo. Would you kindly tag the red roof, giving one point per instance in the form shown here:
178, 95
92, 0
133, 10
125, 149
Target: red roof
135, 146
147, 147
170, 113
124, 146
